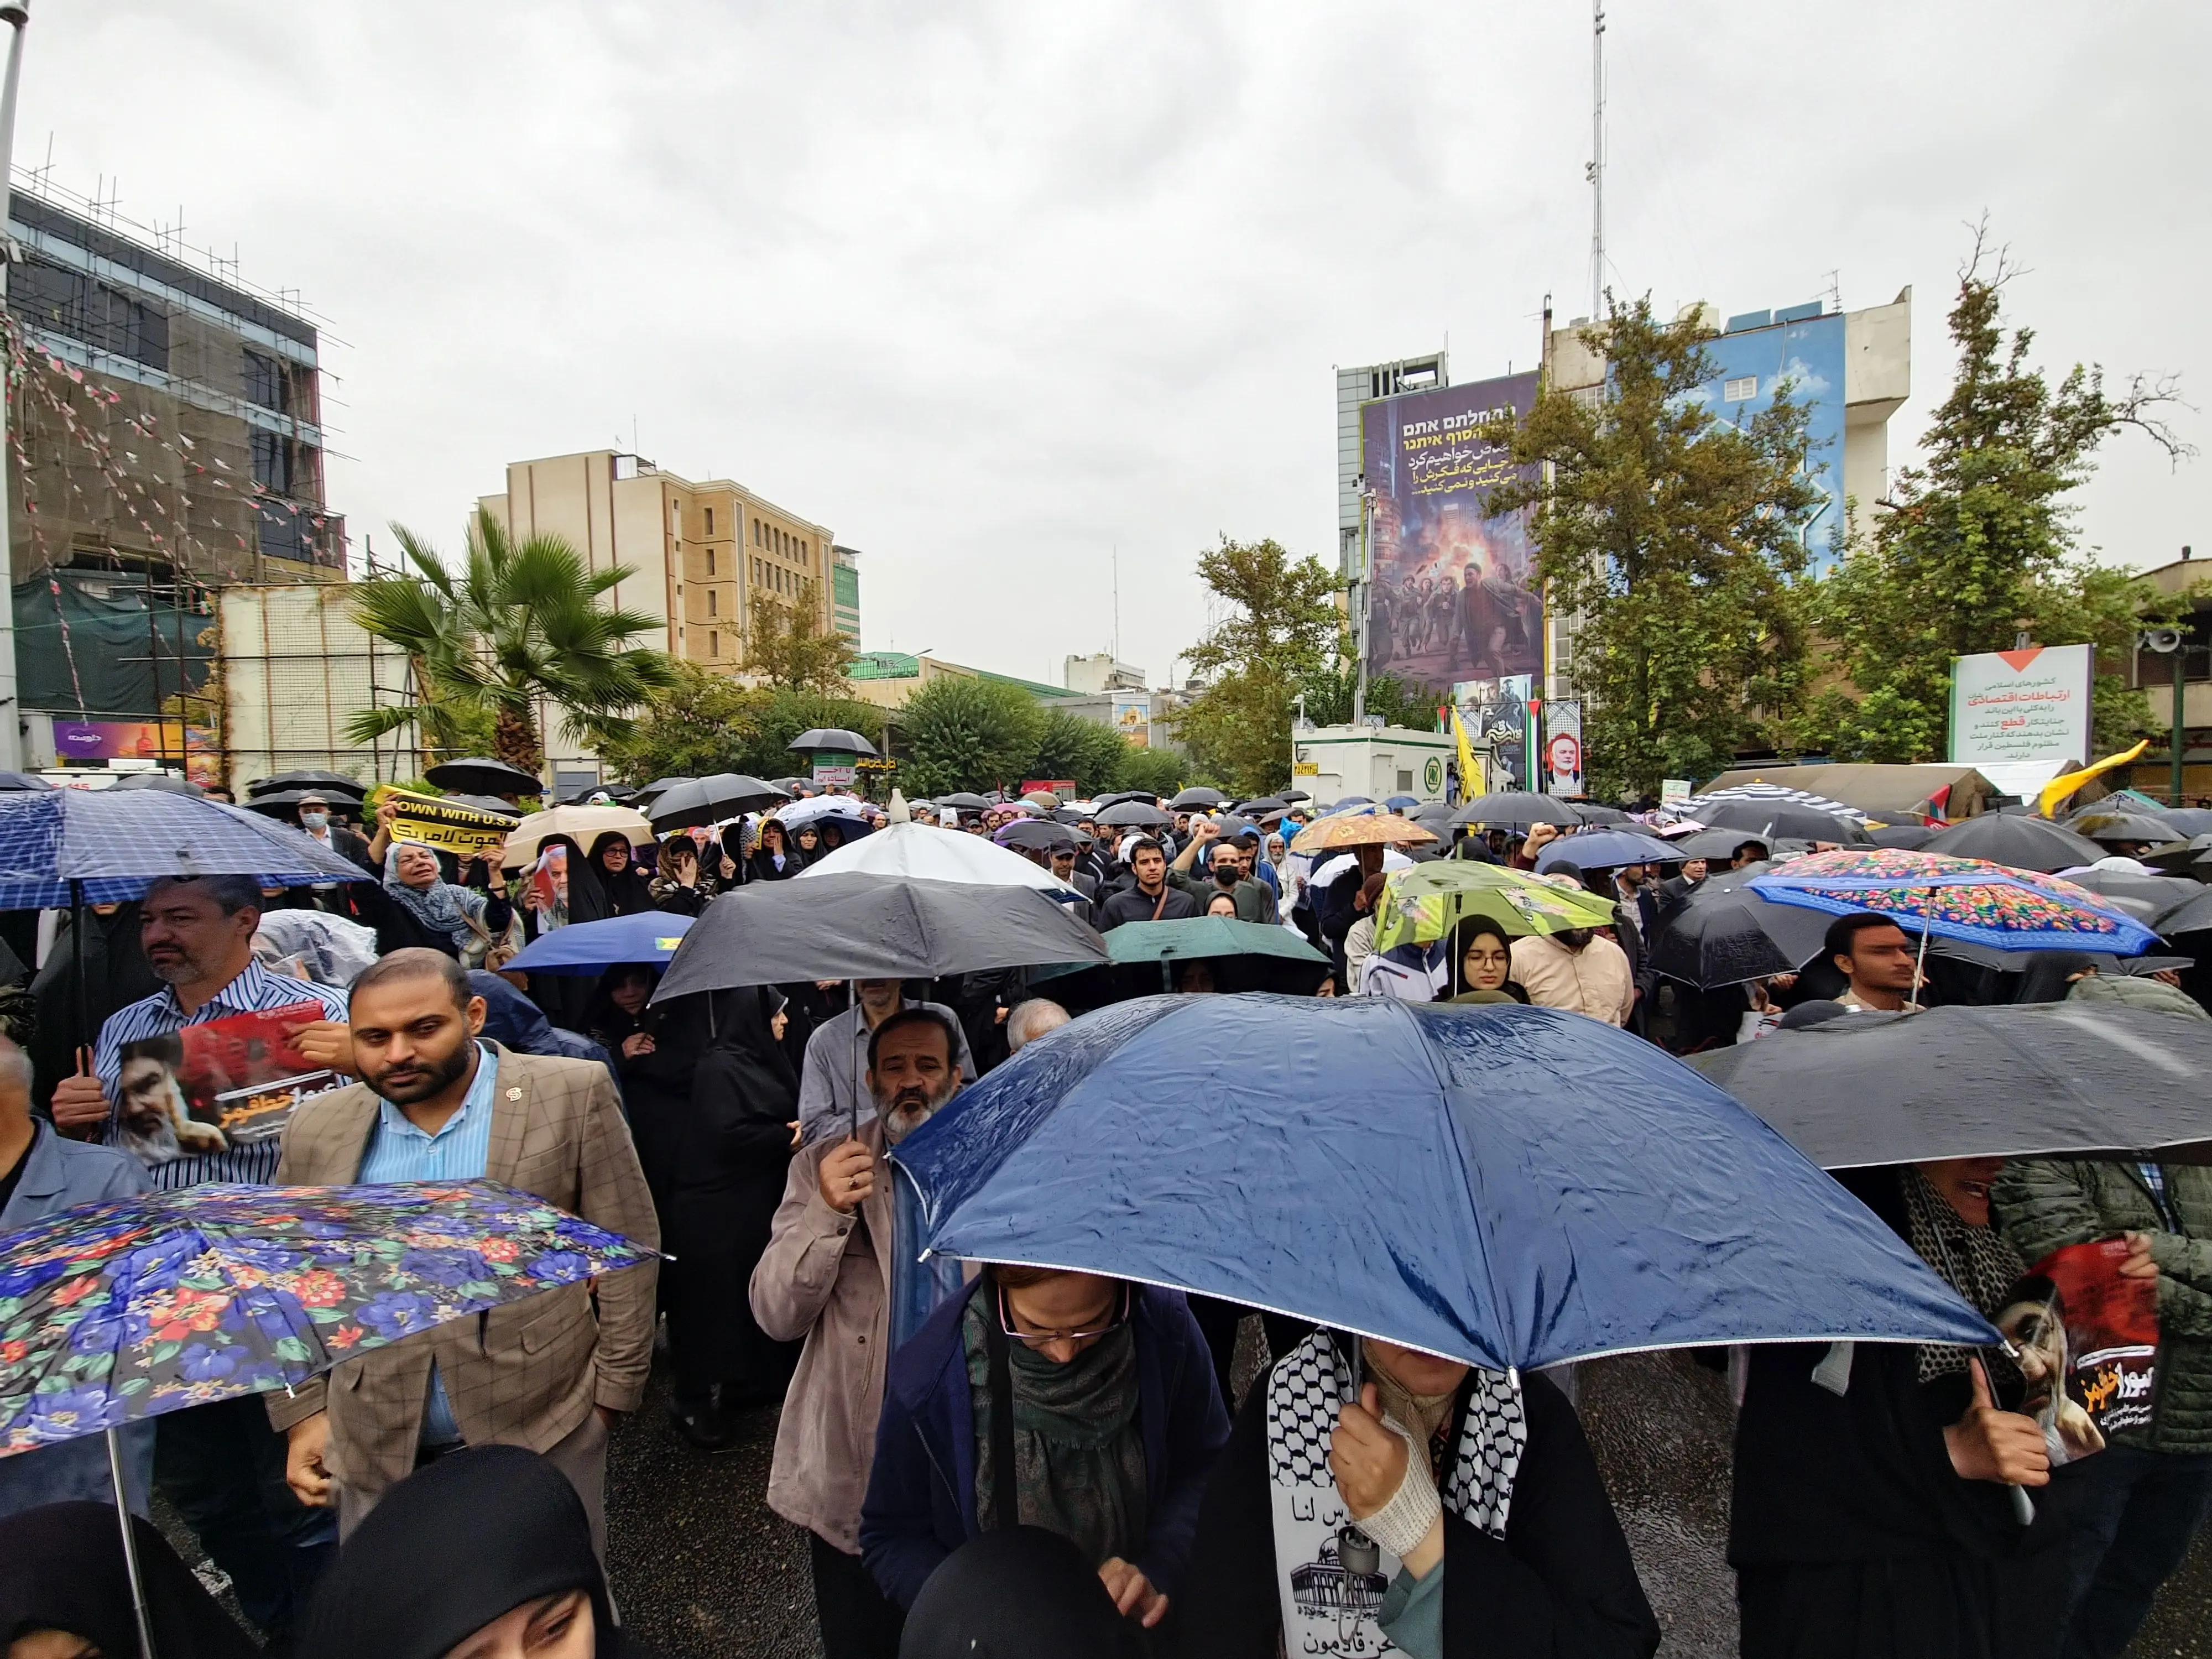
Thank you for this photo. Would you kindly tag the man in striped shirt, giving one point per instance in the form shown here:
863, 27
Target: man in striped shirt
221, 1465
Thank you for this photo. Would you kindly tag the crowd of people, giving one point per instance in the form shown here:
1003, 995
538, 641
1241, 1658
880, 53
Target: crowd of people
1009, 1460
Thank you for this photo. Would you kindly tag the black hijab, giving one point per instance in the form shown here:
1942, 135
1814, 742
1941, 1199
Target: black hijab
627, 893
61, 1568
455, 1545
604, 1021
743, 1059
1017, 1593
764, 867
2050, 975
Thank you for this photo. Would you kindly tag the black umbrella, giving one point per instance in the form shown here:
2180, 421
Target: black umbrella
1714, 844
1590, 812
22, 780
1907, 837
2023, 844
1721, 933
831, 740
2125, 824
284, 804
2017, 1080
484, 804
2165, 904
1780, 818
966, 801
710, 799
1134, 813
1042, 833
481, 775
1515, 809
644, 798
1119, 796
1197, 795
1261, 807
318, 781
867, 927
160, 780
1292, 794
2189, 820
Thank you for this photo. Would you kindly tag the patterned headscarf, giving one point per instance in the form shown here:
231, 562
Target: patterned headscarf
1978, 1262
442, 908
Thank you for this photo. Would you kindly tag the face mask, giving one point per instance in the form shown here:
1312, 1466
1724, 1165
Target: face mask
315, 820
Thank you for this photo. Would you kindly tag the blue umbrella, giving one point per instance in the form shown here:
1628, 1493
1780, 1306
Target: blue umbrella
117, 844
1507, 1186
1606, 849
1400, 803
588, 947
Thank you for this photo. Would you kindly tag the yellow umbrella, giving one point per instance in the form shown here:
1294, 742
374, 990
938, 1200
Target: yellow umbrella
581, 824
1370, 830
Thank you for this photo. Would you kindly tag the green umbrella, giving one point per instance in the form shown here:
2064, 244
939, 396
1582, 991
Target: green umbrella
1141, 957
1425, 904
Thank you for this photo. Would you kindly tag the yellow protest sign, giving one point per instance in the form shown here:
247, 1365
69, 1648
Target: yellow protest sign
464, 831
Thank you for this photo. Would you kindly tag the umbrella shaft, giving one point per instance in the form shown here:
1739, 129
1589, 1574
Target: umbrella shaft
129, 1546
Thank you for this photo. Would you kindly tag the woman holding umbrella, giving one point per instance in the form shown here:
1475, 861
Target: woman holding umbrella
733, 1152
1500, 1539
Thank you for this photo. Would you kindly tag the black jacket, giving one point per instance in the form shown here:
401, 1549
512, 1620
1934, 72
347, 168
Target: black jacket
1561, 1582
1131, 904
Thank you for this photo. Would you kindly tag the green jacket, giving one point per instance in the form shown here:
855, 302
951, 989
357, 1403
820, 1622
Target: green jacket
2041, 1204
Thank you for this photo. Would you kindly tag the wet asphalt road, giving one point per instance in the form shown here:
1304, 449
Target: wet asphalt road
704, 1570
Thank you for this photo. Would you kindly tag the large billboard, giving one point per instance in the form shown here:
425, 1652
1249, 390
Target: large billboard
1806, 355
1452, 596
2032, 704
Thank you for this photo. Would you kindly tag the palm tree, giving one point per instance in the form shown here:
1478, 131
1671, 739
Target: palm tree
520, 624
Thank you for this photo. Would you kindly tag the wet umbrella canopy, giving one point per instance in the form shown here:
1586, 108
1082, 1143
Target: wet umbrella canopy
1721, 933
1197, 795
1778, 818
480, 776
1245, 955
2024, 843
1133, 814
1606, 849
318, 781
2017, 1080
831, 740
710, 799
2151, 827
1514, 808
1505, 1186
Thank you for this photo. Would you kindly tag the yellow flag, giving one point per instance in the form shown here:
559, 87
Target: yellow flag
2064, 785
1468, 786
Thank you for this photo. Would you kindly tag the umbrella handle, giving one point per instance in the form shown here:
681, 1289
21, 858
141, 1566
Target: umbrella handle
129, 1546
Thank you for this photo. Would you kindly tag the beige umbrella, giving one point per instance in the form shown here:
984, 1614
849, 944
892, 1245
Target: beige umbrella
581, 824
1376, 829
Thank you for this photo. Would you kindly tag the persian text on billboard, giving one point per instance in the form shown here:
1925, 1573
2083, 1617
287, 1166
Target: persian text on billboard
1452, 598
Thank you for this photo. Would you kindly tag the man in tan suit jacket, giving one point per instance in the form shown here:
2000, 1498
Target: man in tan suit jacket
548, 1373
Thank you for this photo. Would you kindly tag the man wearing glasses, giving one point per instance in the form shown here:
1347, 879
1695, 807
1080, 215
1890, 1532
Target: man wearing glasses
1082, 1405
839, 1273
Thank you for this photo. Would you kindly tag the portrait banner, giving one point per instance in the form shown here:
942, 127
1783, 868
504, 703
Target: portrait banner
1453, 594
212, 1087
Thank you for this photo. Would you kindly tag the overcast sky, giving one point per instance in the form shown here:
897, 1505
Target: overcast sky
993, 289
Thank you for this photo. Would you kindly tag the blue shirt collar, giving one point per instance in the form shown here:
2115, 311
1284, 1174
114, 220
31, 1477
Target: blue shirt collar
477, 1100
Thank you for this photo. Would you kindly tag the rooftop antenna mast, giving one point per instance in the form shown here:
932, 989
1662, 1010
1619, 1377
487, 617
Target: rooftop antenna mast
1117, 602
1597, 159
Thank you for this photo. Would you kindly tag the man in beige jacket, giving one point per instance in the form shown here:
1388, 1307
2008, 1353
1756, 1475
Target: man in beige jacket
550, 1373
1581, 971
829, 1276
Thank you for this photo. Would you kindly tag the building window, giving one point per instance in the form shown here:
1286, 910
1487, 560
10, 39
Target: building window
710, 601
283, 534
272, 462
710, 521
264, 382
710, 551
1741, 390
714, 645
755, 532
105, 318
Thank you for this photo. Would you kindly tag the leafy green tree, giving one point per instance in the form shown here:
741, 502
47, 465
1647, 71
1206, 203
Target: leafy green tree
1977, 548
963, 732
521, 624
706, 722
1282, 624
1330, 692
1155, 771
1676, 536
788, 645
1073, 747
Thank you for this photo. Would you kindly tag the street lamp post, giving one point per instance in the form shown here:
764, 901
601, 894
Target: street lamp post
16, 13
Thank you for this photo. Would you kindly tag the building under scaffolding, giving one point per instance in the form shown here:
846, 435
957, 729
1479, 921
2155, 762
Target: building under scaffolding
165, 441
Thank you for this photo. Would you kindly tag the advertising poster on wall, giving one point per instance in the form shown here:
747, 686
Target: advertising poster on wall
1806, 356
1496, 712
1451, 598
2027, 705
1133, 719
1563, 748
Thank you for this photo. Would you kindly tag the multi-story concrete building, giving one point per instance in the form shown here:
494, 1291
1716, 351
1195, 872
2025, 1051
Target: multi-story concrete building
844, 592
1100, 672
700, 550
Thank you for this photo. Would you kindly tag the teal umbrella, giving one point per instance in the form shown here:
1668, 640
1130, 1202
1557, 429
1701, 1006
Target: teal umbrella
1143, 956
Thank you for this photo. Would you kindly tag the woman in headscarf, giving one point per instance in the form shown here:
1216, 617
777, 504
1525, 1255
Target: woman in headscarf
487, 1550
1871, 1515
774, 860
65, 1592
653, 1051
614, 868
1457, 1511
452, 918
806, 841
2052, 975
677, 886
832, 838
1483, 956
733, 1147
1065, 1401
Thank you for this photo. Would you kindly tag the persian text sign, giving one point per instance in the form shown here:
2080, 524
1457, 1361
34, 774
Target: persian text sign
2027, 705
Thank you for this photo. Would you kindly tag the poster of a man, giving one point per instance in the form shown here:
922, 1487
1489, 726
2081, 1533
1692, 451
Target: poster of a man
1452, 598
156, 1124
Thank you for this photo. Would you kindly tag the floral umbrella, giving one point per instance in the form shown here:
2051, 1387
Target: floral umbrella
1969, 899
130, 1308
1422, 904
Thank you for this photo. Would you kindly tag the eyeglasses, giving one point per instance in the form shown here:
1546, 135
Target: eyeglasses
1038, 1339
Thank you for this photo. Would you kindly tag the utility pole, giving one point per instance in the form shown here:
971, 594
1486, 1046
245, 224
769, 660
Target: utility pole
1597, 160
16, 13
